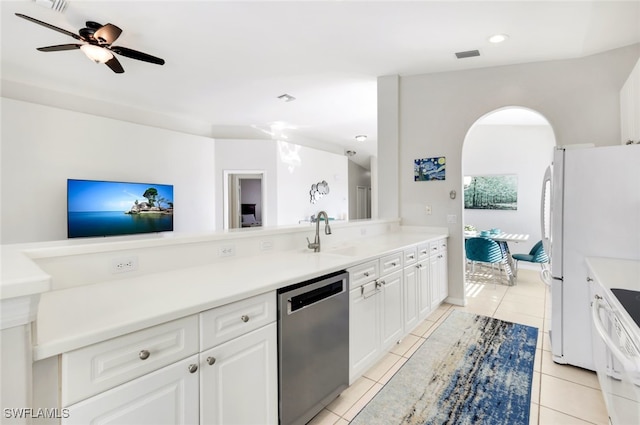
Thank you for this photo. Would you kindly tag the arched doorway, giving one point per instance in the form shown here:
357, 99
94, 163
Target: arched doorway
511, 146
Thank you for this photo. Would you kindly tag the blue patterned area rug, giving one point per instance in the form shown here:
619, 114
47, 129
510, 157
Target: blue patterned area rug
470, 370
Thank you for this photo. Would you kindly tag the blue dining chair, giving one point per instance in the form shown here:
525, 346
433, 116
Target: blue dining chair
536, 255
485, 250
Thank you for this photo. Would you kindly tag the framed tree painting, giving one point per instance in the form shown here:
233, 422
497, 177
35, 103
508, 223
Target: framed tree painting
498, 192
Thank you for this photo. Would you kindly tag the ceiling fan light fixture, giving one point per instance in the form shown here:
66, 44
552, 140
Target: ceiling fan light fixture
361, 138
96, 53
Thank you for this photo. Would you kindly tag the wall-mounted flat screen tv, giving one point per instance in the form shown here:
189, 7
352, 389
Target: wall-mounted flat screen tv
107, 208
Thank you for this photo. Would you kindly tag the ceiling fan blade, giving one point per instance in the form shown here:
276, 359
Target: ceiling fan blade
134, 54
107, 34
44, 24
115, 66
59, 47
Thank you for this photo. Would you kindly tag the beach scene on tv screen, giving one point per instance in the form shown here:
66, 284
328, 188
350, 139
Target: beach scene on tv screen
103, 208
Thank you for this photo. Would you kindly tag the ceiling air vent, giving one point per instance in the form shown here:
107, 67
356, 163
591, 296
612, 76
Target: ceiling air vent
467, 54
57, 5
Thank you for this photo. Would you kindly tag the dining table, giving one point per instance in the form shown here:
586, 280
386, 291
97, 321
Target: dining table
503, 239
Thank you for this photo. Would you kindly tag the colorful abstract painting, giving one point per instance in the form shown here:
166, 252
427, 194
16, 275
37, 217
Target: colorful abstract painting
428, 169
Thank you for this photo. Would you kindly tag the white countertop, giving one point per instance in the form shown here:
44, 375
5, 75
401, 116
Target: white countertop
615, 272
20, 276
75, 317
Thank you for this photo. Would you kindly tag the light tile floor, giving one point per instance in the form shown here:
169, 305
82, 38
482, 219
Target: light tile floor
561, 394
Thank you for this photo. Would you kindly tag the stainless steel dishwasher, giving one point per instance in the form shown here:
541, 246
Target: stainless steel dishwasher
313, 346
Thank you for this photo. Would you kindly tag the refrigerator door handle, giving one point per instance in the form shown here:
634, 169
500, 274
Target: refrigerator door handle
545, 210
545, 275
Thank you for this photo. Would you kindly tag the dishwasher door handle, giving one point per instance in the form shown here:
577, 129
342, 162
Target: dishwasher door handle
314, 296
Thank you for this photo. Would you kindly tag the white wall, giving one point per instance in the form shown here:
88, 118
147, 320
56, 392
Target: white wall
43, 146
524, 150
579, 97
298, 168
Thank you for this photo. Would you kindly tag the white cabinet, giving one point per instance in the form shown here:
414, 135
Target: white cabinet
375, 311
199, 369
238, 380
389, 297
391, 305
425, 291
630, 107
364, 328
167, 396
238, 376
411, 297
438, 272
419, 297
96, 368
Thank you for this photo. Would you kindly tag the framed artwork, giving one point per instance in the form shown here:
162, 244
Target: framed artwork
498, 192
428, 169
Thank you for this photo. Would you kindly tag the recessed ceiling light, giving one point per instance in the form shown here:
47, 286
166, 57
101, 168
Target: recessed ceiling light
498, 38
361, 138
286, 97
350, 153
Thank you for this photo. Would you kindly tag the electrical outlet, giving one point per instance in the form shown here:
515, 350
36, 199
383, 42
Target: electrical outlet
427, 209
124, 264
266, 245
227, 251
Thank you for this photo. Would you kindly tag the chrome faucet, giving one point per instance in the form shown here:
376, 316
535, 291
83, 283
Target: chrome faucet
315, 245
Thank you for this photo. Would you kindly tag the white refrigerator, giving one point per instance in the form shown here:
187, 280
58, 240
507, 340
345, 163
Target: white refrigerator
590, 208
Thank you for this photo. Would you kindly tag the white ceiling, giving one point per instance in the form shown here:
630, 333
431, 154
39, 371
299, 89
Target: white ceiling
228, 61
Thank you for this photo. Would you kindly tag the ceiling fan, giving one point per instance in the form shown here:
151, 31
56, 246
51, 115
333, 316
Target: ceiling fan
97, 40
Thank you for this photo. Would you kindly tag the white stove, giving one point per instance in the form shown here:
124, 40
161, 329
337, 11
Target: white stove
615, 309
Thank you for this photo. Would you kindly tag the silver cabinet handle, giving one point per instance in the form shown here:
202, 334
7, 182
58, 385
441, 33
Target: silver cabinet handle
393, 264
379, 283
410, 256
244, 318
193, 368
211, 360
144, 354
589, 279
366, 274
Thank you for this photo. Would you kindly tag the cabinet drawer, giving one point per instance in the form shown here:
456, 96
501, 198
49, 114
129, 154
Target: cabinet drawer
99, 367
224, 323
442, 245
390, 263
423, 251
165, 396
410, 255
434, 247
363, 273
